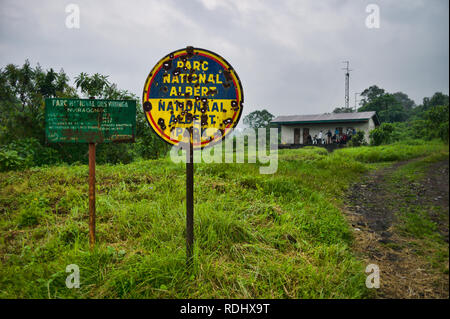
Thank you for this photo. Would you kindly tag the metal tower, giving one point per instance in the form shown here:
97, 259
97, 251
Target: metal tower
347, 83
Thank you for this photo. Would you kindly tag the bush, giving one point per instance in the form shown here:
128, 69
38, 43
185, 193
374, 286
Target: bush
437, 122
10, 160
114, 153
150, 146
357, 139
382, 134
443, 132
26, 153
427, 124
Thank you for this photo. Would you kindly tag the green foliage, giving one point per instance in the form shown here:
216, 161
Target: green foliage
98, 86
92, 86
407, 121
419, 221
23, 89
26, 153
437, 99
436, 120
11, 160
343, 110
370, 94
357, 140
22, 92
430, 123
404, 100
258, 119
71, 233
34, 211
387, 107
391, 108
148, 145
381, 134
29, 217
277, 236
398, 151
22, 136
114, 153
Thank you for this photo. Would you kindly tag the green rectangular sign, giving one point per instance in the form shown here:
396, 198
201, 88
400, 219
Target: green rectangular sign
89, 120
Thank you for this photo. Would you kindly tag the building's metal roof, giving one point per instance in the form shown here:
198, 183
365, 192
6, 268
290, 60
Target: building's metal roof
326, 117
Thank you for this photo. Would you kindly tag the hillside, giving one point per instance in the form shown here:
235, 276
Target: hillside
256, 236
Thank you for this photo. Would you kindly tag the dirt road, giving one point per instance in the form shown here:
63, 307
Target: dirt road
401, 224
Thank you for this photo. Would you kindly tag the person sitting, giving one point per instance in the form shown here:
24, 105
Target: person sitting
315, 140
320, 137
334, 138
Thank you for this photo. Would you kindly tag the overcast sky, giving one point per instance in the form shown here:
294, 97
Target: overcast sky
288, 54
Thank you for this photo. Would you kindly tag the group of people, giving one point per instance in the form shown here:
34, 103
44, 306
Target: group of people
330, 138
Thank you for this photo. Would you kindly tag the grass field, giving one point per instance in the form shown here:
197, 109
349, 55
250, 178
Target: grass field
257, 236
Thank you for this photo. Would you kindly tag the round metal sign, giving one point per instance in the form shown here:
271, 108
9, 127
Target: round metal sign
193, 93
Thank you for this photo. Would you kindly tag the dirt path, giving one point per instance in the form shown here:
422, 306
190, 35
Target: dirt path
412, 264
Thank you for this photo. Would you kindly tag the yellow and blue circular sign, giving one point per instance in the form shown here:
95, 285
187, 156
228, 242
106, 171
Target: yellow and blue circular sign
193, 90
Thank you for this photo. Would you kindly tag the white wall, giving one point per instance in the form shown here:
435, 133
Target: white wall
287, 134
287, 131
371, 126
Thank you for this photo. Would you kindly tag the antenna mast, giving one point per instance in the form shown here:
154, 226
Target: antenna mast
347, 83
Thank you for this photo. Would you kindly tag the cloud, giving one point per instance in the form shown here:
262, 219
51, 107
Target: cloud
288, 54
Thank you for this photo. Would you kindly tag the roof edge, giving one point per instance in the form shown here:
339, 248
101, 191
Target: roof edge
321, 121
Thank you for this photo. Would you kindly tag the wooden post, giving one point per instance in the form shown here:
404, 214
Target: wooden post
92, 195
190, 203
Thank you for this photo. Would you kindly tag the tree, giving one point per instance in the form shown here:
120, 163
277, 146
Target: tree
22, 93
148, 144
258, 119
404, 100
393, 113
370, 94
343, 110
22, 122
436, 122
388, 106
438, 98
93, 86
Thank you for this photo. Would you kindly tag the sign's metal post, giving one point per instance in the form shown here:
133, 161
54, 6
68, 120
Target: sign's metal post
187, 86
92, 195
190, 203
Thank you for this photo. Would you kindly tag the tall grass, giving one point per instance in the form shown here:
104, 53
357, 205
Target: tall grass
393, 152
256, 236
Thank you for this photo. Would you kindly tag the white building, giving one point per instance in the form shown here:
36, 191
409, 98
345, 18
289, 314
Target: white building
296, 128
